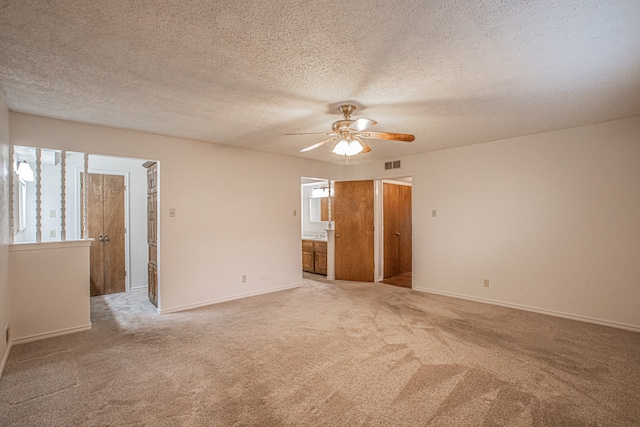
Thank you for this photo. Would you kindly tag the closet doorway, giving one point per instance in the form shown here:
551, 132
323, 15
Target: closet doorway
397, 233
133, 174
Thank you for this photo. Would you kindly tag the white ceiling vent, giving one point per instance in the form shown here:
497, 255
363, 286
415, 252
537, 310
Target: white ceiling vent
392, 165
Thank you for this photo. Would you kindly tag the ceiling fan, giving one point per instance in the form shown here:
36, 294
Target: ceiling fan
350, 134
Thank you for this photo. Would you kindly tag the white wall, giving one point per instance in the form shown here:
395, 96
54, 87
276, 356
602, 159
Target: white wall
52, 299
552, 220
5, 230
137, 202
234, 209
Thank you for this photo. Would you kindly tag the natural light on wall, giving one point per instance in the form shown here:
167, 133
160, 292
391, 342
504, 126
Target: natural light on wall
47, 195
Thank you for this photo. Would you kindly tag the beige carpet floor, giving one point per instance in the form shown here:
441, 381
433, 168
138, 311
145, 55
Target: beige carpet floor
325, 354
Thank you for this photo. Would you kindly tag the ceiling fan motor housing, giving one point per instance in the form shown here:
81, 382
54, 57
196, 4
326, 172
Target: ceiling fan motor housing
341, 125
347, 110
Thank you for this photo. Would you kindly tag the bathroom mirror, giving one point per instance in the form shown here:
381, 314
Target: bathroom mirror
318, 209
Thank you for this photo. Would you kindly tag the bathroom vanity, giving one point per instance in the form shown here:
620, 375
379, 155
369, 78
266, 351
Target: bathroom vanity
314, 256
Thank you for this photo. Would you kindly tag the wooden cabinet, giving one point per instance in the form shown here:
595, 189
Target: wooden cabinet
314, 256
320, 257
152, 229
307, 256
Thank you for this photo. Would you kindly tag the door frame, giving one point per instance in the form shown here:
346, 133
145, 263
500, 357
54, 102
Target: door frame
126, 214
379, 223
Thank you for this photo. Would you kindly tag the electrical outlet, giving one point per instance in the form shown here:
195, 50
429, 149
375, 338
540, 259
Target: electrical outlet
52, 233
244, 278
486, 283
263, 276
434, 213
172, 212
52, 213
295, 212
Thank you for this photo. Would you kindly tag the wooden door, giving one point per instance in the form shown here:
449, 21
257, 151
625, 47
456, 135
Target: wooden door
353, 216
105, 204
390, 196
396, 203
152, 229
405, 248
95, 204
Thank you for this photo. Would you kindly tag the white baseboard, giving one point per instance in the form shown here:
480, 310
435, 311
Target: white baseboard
5, 357
580, 318
51, 334
231, 298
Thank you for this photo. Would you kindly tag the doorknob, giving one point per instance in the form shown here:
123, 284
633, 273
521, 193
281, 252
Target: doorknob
100, 239
398, 233
337, 235
106, 238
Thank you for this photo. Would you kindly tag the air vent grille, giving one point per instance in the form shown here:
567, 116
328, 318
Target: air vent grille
392, 165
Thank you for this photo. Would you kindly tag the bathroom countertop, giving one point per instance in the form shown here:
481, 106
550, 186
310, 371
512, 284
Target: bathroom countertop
317, 239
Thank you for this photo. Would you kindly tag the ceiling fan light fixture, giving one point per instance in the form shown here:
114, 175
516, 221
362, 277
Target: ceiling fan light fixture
25, 171
348, 147
342, 147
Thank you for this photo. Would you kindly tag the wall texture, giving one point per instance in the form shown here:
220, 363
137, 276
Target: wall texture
5, 229
551, 220
53, 298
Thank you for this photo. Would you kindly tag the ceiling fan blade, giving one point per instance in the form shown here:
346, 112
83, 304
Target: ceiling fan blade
312, 133
365, 147
361, 124
314, 146
401, 137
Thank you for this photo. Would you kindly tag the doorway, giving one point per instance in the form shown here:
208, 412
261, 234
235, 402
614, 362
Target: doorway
397, 233
373, 231
135, 211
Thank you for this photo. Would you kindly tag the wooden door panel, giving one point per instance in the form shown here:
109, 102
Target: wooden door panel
114, 255
105, 208
353, 208
152, 220
397, 229
324, 209
307, 261
95, 202
405, 252
390, 199
152, 228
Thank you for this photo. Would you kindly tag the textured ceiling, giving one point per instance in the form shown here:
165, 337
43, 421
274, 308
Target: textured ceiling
245, 73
